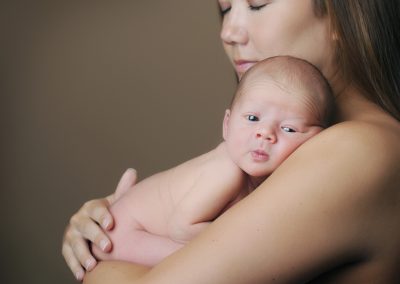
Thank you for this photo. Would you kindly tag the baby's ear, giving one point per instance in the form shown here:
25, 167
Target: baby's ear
225, 124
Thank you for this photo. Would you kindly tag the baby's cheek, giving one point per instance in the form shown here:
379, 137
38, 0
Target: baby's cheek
278, 156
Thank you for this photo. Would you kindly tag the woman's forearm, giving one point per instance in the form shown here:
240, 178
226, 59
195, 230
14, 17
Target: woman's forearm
115, 272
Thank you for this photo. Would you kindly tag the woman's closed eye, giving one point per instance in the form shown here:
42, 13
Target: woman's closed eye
253, 6
224, 7
256, 8
257, 5
224, 11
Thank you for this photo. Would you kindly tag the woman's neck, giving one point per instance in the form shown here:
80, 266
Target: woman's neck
351, 105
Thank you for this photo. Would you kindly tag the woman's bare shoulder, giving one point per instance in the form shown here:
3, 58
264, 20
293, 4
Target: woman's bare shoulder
330, 196
348, 160
351, 166
371, 145
367, 133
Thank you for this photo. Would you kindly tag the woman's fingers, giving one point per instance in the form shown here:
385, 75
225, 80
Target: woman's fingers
77, 254
96, 210
87, 228
73, 262
82, 252
83, 228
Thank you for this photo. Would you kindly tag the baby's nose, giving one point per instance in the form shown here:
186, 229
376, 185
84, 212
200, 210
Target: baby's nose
267, 134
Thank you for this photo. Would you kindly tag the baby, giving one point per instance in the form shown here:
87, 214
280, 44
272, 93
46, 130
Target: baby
280, 103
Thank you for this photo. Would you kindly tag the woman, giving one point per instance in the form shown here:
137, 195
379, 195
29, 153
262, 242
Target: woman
330, 213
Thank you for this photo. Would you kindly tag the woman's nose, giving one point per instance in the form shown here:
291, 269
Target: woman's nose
266, 134
233, 30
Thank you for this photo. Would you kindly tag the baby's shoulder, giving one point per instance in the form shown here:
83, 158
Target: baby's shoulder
221, 164
222, 157
215, 163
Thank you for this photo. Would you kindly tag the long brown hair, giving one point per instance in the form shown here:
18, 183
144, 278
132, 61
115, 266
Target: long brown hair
368, 46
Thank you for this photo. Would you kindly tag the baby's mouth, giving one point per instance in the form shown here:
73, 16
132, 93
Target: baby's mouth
260, 155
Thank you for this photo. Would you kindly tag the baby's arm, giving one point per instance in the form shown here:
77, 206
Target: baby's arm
146, 233
134, 213
219, 183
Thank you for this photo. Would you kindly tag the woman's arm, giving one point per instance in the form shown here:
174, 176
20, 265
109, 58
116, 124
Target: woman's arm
116, 272
322, 208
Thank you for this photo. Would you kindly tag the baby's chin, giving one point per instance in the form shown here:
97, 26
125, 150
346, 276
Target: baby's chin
257, 171
257, 176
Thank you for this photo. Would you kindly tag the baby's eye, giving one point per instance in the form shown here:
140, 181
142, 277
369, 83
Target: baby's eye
252, 117
288, 129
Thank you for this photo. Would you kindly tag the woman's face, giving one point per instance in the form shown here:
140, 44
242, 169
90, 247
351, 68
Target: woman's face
253, 30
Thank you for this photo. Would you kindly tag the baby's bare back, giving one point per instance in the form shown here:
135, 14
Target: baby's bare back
150, 204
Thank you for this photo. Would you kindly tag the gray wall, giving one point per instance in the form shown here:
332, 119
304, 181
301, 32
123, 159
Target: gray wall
89, 88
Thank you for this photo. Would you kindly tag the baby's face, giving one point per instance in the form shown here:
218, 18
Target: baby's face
266, 124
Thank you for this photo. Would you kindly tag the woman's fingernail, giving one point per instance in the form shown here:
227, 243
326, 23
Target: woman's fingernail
104, 244
79, 275
89, 264
106, 223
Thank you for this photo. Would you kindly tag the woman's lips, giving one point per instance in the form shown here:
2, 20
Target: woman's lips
260, 156
242, 66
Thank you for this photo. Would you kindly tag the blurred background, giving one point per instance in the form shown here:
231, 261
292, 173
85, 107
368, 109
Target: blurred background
88, 89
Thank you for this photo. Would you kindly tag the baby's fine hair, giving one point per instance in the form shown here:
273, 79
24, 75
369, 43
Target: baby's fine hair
296, 75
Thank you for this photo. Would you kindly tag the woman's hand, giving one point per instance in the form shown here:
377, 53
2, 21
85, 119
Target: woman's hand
90, 224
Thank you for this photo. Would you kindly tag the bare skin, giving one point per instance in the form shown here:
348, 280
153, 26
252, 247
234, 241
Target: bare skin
163, 212
266, 123
329, 214
343, 213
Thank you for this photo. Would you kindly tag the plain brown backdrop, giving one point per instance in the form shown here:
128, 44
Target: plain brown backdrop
89, 88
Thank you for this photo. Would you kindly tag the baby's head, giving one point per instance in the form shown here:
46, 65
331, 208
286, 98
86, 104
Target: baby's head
298, 77
280, 103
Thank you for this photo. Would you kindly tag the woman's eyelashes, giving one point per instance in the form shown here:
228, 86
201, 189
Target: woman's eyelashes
223, 11
257, 5
224, 7
256, 8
